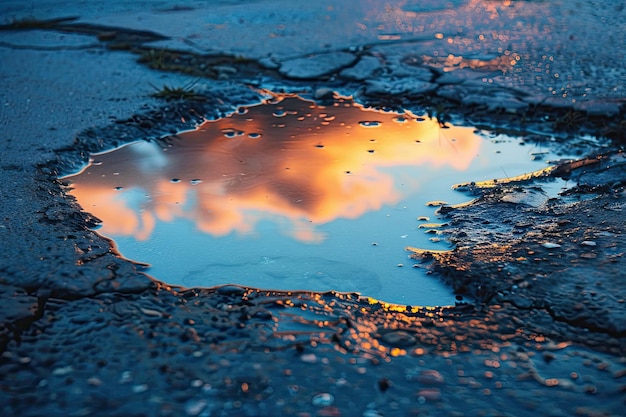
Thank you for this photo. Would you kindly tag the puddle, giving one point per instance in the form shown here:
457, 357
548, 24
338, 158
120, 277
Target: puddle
292, 195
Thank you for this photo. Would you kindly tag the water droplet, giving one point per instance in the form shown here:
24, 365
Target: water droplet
370, 123
195, 181
370, 150
348, 172
96, 163
175, 180
242, 110
254, 135
399, 119
279, 113
329, 118
231, 133
119, 188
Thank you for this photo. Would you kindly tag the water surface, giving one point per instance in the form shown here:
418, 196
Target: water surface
294, 195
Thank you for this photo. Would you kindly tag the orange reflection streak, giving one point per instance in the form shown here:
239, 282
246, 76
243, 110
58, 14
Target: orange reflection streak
502, 63
287, 160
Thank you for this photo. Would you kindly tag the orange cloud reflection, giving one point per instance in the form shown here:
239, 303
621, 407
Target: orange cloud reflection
286, 160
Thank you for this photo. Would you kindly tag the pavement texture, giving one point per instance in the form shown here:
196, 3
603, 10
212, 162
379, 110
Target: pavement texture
541, 329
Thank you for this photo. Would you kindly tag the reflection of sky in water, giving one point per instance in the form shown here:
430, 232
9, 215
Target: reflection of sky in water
292, 195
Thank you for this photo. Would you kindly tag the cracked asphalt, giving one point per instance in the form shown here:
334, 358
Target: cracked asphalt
541, 329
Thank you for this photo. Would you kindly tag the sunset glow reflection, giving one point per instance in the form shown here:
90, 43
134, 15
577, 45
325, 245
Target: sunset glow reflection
288, 161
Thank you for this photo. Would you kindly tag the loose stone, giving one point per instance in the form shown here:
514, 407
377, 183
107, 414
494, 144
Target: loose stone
430, 377
137, 389
195, 407
62, 371
308, 358
323, 400
93, 381
429, 394
399, 338
550, 245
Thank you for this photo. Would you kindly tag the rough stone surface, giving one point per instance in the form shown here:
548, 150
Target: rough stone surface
556, 257
316, 65
364, 69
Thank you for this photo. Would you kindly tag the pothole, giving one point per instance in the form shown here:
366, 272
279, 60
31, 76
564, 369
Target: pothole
293, 195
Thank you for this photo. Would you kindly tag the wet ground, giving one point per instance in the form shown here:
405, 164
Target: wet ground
541, 327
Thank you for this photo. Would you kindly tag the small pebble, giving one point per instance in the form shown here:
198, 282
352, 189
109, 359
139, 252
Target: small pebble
323, 400
140, 388
430, 377
62, 371
429, 394
324, 93
308, 358
328, 412
399, 338
550, 245
95, 382
151, 313
126, 377
195, 407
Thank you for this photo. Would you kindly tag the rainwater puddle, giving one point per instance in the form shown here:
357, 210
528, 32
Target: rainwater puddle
291, 195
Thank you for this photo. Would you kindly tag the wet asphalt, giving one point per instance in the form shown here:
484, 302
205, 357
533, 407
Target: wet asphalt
541, 329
